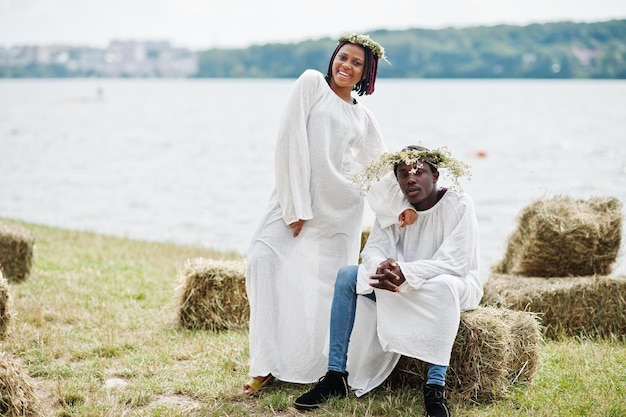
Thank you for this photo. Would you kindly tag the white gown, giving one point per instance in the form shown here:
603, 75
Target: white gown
438, 256
322, 142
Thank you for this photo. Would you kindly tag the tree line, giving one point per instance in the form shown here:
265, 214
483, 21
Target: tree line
547, 50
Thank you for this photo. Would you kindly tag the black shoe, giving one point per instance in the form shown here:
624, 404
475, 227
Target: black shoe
333, 384
436, 401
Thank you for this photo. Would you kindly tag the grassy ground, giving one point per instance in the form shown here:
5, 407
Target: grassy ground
95, 326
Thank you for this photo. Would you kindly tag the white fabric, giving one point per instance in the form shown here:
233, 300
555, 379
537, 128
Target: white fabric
322, 142
386, 200
438, 256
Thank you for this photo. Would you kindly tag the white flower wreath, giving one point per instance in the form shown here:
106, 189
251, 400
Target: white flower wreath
365, 41
440, 158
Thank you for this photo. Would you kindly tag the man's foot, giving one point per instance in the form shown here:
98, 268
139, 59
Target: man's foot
257, 383
436, 401
333, 384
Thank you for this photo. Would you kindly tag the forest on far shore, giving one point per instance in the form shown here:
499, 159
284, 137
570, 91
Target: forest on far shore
546, 50
540, 50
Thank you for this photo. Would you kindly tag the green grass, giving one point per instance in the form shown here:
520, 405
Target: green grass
97, 308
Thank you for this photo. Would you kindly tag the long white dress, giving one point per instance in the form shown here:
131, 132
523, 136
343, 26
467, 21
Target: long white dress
438, 256
322, 142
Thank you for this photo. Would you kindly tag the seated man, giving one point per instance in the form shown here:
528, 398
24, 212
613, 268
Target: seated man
424, 275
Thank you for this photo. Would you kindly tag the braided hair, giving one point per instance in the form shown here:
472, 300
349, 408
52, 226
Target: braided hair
370, 70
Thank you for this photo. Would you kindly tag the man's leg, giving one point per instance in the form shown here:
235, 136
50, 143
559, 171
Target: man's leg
436, 374
342, 315
343, 311
435, 399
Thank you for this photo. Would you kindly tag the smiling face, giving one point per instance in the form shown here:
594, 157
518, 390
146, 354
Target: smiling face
419, 184
347, 69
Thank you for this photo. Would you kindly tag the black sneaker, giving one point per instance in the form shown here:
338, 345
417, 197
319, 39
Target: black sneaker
333, 384
436, 401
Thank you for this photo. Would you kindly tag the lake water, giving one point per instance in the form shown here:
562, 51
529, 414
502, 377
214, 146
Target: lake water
191, 161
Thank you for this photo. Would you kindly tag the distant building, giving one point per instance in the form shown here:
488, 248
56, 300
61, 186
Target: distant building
126, 58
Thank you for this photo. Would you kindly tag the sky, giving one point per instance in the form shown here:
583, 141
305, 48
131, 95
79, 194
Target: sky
204, 24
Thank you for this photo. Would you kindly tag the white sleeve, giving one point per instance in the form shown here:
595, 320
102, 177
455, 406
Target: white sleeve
381, 244
457, 255
387, 200
292, 160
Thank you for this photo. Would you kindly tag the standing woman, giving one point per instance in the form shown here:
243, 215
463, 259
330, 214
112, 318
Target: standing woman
313, 224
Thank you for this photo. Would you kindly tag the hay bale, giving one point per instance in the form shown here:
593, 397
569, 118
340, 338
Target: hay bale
592, 306
562, 236
525, 345
478, 368
365, 234
17, 397
16, 251
494, 349
213, 295
5, 309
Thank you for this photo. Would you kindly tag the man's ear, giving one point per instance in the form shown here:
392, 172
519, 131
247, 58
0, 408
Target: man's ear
435, 177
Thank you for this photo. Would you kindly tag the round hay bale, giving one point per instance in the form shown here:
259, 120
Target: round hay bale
17, 397
568, 306
16, 251
494, 349
562, 236
5, 309
213, 295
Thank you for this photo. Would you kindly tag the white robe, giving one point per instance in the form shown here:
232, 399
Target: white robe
322, 142
438, 256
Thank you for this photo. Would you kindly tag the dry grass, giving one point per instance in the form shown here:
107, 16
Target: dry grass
17, 396
562, 236
96, 327
16, 251
494, 349
213, 295
525, 346
5, 307
568, 306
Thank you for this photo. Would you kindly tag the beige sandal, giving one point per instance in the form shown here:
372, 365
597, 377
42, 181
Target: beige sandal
255, 384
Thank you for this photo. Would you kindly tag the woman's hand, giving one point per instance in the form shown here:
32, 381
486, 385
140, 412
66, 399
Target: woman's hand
407, 217
298, 226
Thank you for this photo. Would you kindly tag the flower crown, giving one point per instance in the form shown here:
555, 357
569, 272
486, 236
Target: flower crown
366, 42
440, 158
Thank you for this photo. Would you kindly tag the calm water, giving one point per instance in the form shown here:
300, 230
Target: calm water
190, 161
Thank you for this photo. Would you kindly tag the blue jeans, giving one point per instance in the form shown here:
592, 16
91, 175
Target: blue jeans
342, 316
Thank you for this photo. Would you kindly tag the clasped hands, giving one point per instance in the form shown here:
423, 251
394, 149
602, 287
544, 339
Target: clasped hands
388, 276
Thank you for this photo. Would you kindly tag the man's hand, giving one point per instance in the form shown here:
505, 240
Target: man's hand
298, 226
389, 276
407, 217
